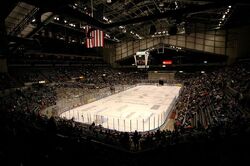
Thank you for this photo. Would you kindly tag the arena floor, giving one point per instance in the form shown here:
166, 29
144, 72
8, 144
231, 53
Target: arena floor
141, 108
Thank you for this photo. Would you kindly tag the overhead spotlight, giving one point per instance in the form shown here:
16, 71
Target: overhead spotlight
176, 5
105, 18
229, 6
109, 1
161, 4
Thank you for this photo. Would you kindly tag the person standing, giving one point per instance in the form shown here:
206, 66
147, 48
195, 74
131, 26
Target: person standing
136, 139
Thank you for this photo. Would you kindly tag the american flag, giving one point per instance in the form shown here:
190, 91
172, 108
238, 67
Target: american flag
95, 38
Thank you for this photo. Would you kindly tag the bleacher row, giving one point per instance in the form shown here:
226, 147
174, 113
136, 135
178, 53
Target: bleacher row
205, 110
209, 97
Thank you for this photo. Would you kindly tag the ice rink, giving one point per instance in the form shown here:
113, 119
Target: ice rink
140, 108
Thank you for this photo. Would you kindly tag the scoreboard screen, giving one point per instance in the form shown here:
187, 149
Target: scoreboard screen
141, 59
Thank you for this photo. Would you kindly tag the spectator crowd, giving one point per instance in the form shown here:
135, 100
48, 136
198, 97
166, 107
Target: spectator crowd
212, 106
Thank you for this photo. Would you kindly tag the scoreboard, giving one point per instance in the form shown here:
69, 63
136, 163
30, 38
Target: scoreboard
141, 59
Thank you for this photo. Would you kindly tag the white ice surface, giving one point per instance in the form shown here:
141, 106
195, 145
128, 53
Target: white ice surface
140, 108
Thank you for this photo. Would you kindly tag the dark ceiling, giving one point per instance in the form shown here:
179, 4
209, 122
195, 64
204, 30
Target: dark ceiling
121, 19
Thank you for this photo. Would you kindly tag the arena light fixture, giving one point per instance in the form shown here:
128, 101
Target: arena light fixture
176, 5
105, 18
41, 82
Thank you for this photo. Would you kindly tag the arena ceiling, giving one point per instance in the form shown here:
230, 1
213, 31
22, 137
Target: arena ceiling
122, 19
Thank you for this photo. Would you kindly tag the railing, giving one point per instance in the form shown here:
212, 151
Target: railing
154, 121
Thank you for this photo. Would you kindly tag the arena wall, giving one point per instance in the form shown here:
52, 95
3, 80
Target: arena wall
222, 42
161, 75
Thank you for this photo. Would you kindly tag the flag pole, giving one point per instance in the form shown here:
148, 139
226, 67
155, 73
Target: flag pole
92, 8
